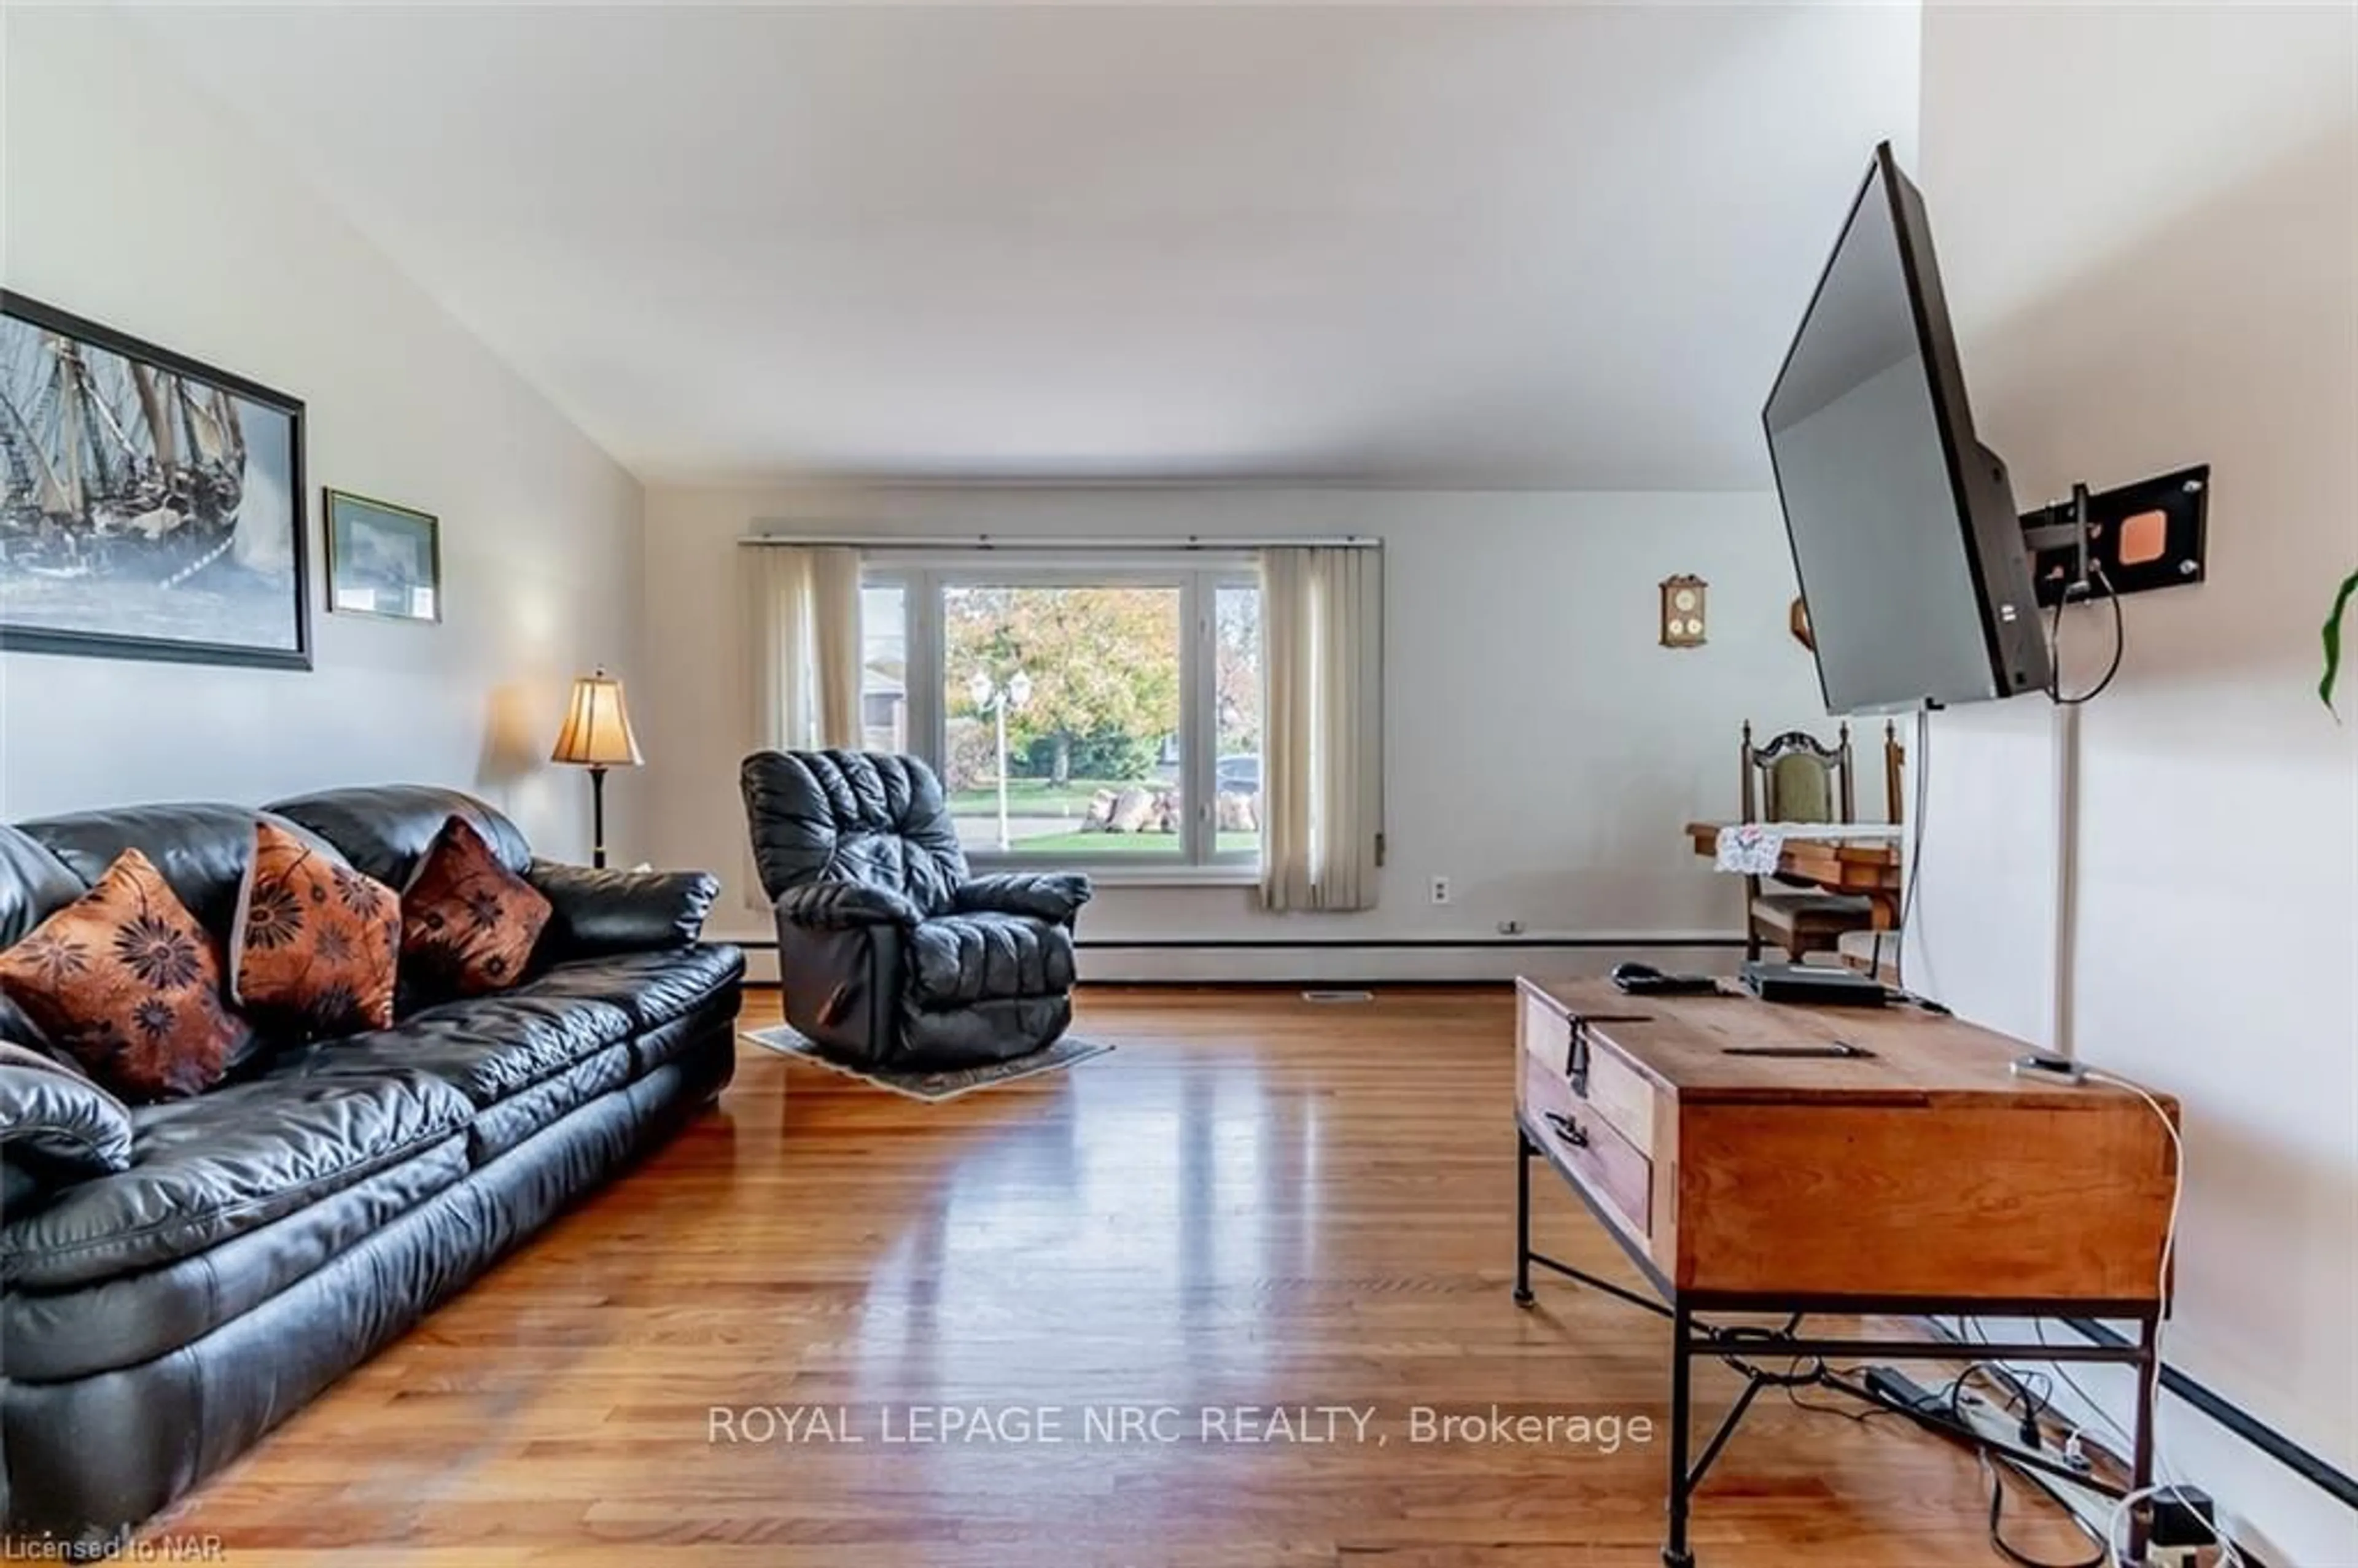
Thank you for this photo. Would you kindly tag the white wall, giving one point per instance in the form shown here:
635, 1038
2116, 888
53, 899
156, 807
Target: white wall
2148, 221
1542, 750
132, 199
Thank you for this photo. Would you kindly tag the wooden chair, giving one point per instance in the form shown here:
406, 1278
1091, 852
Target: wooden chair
1894, 762
1797, 778
1872, 952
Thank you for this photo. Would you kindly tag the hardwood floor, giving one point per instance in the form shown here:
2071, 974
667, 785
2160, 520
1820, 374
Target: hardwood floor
1255, 1201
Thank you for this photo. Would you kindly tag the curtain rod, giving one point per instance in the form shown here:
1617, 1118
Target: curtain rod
1028, 542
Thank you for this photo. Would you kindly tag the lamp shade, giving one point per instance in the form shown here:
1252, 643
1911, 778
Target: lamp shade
597, 725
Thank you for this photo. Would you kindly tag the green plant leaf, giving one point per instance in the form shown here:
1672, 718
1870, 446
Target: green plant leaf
2331, 636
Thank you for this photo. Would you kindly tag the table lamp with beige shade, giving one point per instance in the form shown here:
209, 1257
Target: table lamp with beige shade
597, 735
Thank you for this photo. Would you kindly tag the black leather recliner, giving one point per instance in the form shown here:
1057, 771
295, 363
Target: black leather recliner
890, 955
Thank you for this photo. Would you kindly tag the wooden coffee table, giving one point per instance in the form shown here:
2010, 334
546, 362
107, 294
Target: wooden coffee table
1755, 1158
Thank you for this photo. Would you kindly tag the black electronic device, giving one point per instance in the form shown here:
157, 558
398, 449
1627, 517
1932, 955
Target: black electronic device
2184, 1519
2046, 1064
1633, 979
1812, 985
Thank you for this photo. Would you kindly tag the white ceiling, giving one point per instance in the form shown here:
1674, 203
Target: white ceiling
1543, 247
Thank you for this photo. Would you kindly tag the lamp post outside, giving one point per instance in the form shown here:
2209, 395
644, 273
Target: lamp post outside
995, 699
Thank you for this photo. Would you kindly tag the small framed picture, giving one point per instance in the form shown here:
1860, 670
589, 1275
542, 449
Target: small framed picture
383, 559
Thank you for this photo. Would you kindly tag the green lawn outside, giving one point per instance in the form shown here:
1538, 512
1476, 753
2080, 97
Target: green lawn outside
1116, 844
1039, 797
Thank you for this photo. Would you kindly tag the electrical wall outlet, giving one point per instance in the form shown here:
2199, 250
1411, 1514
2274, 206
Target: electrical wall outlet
1441, 889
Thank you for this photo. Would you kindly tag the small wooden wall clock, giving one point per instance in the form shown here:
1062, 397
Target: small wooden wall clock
1682, 611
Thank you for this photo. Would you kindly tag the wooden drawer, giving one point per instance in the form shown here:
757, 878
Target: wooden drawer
1614, 1171
1612, 1088
1546, 1033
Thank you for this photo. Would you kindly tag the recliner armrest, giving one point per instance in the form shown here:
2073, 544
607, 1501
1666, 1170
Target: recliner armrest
1054, 896
599, 912
845, 906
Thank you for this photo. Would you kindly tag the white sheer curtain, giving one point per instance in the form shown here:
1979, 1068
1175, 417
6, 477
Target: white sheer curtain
1322, 740
835, 645
802, 641
802, 619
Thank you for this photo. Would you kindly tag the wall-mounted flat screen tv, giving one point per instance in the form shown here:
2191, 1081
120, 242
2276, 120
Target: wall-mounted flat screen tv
1904, 530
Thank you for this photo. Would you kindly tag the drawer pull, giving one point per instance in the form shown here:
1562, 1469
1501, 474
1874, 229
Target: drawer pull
1571, 1131
1576, 1059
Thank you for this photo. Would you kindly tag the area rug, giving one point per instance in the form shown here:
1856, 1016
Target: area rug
935, 1088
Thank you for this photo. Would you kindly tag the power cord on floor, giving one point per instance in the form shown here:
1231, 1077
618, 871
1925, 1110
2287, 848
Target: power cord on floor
2014, 1391
2018, 1390
1993, 1473
1823, 1373
1922, 763
2038, 1328
2172, 1484
1845, 1380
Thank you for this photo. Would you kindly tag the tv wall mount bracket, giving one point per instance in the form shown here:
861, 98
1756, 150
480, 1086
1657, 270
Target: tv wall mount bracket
2143, 536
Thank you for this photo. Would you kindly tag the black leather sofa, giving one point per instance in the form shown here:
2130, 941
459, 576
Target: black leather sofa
274, 1231
890, 954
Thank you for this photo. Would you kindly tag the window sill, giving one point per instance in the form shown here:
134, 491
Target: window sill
1104, 876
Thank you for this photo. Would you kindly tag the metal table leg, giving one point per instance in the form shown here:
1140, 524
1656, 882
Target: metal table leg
1674, 1550
2149, 1373
1523, 1151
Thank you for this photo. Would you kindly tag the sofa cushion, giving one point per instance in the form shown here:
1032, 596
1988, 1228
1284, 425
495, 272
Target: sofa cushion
385, 830
499, 1128
199, 848
652, 988
34, 884
315, 945
954, 959
668, 1041
485, 1047
51, 1334
127, 983
207, 1169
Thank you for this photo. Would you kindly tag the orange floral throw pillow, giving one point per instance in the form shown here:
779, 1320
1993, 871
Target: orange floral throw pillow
125, 982
468, 924
316, 944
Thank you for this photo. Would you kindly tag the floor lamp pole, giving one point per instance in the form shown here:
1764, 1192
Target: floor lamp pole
598, 816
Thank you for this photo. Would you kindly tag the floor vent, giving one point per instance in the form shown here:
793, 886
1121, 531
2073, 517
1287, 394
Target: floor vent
1339, 995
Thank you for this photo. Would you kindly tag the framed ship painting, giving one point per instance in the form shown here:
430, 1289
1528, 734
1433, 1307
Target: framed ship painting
383, 559
151, 507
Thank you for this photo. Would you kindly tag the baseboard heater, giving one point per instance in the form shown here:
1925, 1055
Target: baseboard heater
1376, 944
1344, 944
2328, 1478
2313, 1467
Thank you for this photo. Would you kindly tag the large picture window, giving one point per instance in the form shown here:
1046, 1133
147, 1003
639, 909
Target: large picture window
1098, 714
